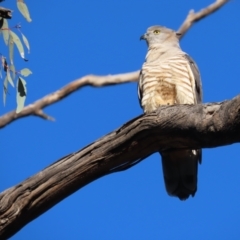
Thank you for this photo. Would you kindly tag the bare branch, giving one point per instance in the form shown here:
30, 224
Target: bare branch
43, 115
37, 107
195, 17
176, 126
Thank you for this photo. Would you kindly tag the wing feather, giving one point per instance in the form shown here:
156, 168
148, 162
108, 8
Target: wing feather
140, 84
196, 74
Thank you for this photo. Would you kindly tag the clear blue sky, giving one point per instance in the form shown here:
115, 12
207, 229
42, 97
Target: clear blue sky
70, 39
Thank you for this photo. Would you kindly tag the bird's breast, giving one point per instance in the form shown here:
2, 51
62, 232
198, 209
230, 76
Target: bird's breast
165, 83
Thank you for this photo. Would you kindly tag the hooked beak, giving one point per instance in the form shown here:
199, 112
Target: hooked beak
143, 37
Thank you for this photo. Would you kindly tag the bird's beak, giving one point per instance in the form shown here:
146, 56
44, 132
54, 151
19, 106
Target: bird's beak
143, 37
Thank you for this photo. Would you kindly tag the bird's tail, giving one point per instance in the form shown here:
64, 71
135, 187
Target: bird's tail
180, 168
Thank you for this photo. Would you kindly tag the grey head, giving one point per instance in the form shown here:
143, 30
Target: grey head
158, 35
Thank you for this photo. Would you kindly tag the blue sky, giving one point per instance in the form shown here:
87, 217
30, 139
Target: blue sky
70, 39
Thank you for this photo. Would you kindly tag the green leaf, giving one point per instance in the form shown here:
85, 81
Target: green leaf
25, 72
21, 94
2, 67
4, 64
26, 42
11, 45
9, 78
5, 31
22, 7
5, 85
18, 43
12, 69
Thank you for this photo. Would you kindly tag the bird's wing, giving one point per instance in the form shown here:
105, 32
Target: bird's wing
197, 85
140, 89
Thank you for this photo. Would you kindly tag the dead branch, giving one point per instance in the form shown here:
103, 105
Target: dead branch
36, 108
177, 126
193, 17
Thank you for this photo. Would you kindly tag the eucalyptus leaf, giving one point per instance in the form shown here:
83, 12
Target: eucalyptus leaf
22, 7
21, 94
13, 71
18, 43
26, 42
11, 45
5, 86
4, 64
9, 78
25, 72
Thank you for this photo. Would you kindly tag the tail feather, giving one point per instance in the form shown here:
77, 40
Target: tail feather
180, 168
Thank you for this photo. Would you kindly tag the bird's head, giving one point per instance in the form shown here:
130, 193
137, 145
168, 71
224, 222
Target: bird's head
160, 35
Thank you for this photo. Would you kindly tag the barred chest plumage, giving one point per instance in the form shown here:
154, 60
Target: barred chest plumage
166, 82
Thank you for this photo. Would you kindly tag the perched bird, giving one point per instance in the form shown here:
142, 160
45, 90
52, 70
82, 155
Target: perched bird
169, 76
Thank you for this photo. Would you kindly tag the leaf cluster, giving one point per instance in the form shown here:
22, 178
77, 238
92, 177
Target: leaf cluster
11, 38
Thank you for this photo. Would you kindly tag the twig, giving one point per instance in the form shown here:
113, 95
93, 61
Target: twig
37, 107
193, 17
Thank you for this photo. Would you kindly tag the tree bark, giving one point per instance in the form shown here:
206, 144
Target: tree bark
177, 126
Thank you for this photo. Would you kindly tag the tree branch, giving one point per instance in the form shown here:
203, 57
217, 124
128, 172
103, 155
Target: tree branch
193, 17
90, 80
176, 126
37, 107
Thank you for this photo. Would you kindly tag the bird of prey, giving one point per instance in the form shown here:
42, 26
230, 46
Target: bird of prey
170, 76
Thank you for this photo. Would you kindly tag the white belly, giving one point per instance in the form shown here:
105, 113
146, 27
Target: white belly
166, 84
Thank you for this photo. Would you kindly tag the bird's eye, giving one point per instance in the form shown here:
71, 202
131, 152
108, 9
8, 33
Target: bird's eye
156, 31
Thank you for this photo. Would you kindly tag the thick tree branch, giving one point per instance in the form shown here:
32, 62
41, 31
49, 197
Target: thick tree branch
37, 107
193, 17
177, 126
